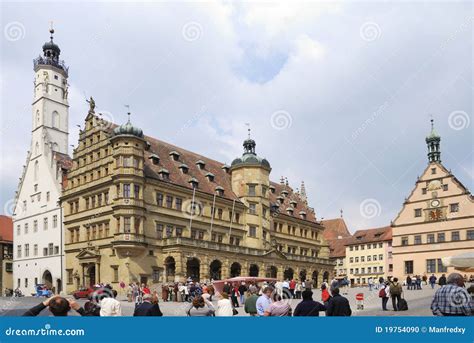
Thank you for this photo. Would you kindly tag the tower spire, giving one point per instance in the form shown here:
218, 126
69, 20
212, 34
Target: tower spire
433, 143
303, 192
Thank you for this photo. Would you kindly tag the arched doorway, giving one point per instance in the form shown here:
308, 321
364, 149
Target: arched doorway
314, 276
91, 275
303, 274
215, 270
170, 268
288, 273
272, 272
253, 270
192, 268
235, 269
326, 276
48, 279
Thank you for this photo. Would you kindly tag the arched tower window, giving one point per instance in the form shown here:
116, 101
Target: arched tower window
36, 171
55, 119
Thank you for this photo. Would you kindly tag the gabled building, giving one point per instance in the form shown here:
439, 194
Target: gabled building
436, 220
140, 209
37, 218
6, 254
337, 235
369, 255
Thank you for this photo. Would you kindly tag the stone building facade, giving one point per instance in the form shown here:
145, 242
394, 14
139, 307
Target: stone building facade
437, 216
337, 235
140, 209
369, 255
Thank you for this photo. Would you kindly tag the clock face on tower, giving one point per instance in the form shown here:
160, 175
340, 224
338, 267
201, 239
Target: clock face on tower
436, 214
435, 203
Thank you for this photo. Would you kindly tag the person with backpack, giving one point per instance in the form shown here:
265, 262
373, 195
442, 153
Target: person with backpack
395, 293
432, 281
384, 293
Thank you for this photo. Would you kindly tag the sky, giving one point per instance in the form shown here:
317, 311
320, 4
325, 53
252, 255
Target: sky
338, 94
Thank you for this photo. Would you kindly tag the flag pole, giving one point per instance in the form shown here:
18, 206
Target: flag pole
192, 212
213, 212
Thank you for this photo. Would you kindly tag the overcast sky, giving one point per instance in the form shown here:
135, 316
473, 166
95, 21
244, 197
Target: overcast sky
337, 95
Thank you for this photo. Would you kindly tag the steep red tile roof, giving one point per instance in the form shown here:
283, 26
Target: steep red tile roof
337, 247
333, 228
291, 196
379, 234
6, 228
64, 161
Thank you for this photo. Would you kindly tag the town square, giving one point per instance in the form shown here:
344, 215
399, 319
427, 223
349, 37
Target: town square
230, 159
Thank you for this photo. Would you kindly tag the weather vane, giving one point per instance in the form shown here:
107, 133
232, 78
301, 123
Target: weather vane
248, 128
128, 111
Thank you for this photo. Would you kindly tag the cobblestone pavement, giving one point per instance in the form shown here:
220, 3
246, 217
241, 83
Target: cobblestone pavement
418, 304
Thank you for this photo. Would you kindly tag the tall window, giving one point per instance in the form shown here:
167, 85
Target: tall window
159, 230
126, 191
431, 266
136, 191
159, 199
35, 250
179, 204
405, 240
27, 250
470, 234
252, 208
455, 236
36, 171
252, 231
55, 221
454, 207
169, 201
45, 224
441, 237
418, 239
126, 224
26, 228
441, 267
50, 248
252, 190
55, 120
417, 212
430, 238
408, 267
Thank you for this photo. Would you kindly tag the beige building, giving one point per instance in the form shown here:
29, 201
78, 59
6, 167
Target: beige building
369, 255
140, 209
6, 254
436, 220
337, 235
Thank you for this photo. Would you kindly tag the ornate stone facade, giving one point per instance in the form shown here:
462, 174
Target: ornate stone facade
139, 209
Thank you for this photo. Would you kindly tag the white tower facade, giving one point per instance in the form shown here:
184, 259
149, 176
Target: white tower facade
37, 219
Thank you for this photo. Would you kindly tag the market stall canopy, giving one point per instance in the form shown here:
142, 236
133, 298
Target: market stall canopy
219, 284
463, 262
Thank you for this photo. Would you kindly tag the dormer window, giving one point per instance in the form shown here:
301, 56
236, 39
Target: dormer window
226, 168
210, 177
164, 174
284, 193
272, 189
289, 210
155, 159
194, 182
201, 164
302, 214
220, 191
293, 203
280, 199
174, 155
184, 168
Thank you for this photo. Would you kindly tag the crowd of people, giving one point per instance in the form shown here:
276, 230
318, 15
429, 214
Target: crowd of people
265, 299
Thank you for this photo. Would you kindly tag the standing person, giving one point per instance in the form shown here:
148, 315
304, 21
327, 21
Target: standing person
325, 296
164, 293
198, 308
227, 288
371, 284
338, 306
308, 307
264, 300
224, 306
453, 299
242, 290
292, 288
110, 307
432, 280
250, 306
308, 285
149, 307
278, 308
395, 293
298, 289
442, 280
384, 293
285, 287
234, 295
409, 282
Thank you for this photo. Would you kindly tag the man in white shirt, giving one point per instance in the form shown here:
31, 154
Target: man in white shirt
110, 307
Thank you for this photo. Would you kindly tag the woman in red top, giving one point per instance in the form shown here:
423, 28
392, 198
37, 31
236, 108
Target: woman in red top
325, 296
145, 289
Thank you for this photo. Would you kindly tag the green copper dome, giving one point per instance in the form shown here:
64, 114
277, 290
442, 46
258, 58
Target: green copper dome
249, 157
128, 129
